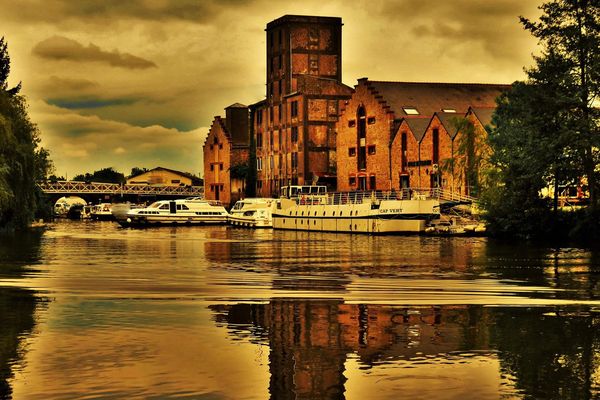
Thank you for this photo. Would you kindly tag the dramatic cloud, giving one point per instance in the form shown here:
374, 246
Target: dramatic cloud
62, 48
98, 107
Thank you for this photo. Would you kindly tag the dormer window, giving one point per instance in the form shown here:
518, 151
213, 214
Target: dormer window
410, 111
449, 110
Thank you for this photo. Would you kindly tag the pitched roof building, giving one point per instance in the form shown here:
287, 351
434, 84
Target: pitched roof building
394, 135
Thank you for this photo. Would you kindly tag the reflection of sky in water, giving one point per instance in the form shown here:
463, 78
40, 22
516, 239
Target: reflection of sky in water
230, 313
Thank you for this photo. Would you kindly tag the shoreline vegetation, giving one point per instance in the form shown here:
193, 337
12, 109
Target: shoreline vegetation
544, 139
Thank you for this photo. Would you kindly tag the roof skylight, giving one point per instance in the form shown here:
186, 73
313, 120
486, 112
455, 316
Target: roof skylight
410, 111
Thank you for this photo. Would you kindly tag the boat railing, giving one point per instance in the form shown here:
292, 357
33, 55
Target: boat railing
374, 196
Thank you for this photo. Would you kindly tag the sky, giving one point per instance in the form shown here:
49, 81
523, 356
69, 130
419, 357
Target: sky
137, 83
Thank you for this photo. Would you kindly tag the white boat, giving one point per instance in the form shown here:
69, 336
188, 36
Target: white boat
102, 212
69, 207
311, 208
253, 213
191, 211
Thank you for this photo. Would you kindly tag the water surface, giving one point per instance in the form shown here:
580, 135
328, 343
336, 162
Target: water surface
90, 310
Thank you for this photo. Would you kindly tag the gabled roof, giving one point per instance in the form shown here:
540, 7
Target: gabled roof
237, 105
428, 97
194, 179
418, 126
484, 115
448, 120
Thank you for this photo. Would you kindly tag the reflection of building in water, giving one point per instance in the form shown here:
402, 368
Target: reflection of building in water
309, 340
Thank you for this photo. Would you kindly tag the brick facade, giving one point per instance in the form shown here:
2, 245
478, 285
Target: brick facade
226, 146
393, 135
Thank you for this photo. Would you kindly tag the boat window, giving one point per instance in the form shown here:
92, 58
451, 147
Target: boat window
293, 192
164, 207
302, 212
322, 189
341, 212
154, 205
184, 207
305, 189
333, 214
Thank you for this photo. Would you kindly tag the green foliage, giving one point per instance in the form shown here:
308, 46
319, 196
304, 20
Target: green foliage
104, 175
545, 130
135, 171
5, 70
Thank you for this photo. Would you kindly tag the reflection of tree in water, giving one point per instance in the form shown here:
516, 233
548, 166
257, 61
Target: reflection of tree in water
17, 306
553, 354
309, 340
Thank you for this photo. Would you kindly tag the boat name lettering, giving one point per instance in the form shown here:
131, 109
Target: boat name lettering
390, 210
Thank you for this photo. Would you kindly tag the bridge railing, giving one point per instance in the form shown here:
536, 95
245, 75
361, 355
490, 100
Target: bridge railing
76, 187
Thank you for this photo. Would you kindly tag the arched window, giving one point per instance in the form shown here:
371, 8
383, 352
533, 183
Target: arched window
361, 136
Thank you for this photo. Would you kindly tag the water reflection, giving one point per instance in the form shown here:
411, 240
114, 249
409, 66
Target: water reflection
540, 353
17, 306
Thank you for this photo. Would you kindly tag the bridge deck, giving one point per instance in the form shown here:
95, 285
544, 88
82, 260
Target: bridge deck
75, 187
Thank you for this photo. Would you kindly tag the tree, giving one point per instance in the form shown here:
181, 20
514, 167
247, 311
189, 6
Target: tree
5, 70
569, 31
104, 175
545, 130
135, 171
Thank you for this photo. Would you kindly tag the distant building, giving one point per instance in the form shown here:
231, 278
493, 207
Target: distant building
164, 177
394, 135
294, 127
226, 152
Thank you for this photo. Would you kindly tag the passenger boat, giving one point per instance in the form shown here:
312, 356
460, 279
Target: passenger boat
253, 213
311, 208
192, 211
102, 212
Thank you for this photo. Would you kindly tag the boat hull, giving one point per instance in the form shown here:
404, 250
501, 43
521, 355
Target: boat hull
147, 221
384, 217
249, 222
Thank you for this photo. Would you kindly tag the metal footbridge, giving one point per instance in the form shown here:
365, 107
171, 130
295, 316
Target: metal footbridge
79, 188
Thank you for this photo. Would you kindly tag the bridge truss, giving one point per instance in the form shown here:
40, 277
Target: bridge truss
75, 188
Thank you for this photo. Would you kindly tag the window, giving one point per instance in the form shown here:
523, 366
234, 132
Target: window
448, 110
352, 123
371, 150
221, 167
371, 120
280, 138
351, 151
175, 181
259, 141
220, 146
212, 188
212, 167
294, 134
164, 207
411, 111
280, 113
294, 108
404, 154
220, 188
372, 182
259, 184
435, 156
280, 86
259, 164
294, 160
280, 61
259, 117
352, 181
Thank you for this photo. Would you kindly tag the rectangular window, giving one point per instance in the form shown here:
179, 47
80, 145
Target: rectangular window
212, 188
175, 181
211, 146
212, 167
259, 184
221, 167
294, 108
294, 134
259, 164
371, 150
280, 139
352, 151
259, 141
220, 146
435, 157
280, 87
259, 117
371, 120
280, 114
404, 154
352, 123
372, 183
411, 111
352, 181
294, 160
220, 188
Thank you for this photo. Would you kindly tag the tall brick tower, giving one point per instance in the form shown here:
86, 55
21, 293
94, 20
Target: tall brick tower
301, 45
294, 127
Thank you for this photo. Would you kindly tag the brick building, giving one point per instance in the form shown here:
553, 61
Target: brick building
294, 127
226, 151
393, 135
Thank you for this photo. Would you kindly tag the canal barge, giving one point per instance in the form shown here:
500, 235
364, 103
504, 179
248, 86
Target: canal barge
311, 208
192, 211
252, 213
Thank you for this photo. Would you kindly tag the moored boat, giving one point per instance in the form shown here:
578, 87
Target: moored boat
311, 208
175, 212
252, 213
102, 212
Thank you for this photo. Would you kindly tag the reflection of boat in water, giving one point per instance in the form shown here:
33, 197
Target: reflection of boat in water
69, 207
311, 208
253, 212
191, 211
102, 212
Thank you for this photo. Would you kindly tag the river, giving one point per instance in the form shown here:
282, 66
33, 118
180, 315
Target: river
89, 310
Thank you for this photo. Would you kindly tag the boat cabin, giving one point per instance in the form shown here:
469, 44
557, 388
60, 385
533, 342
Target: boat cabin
294, 192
